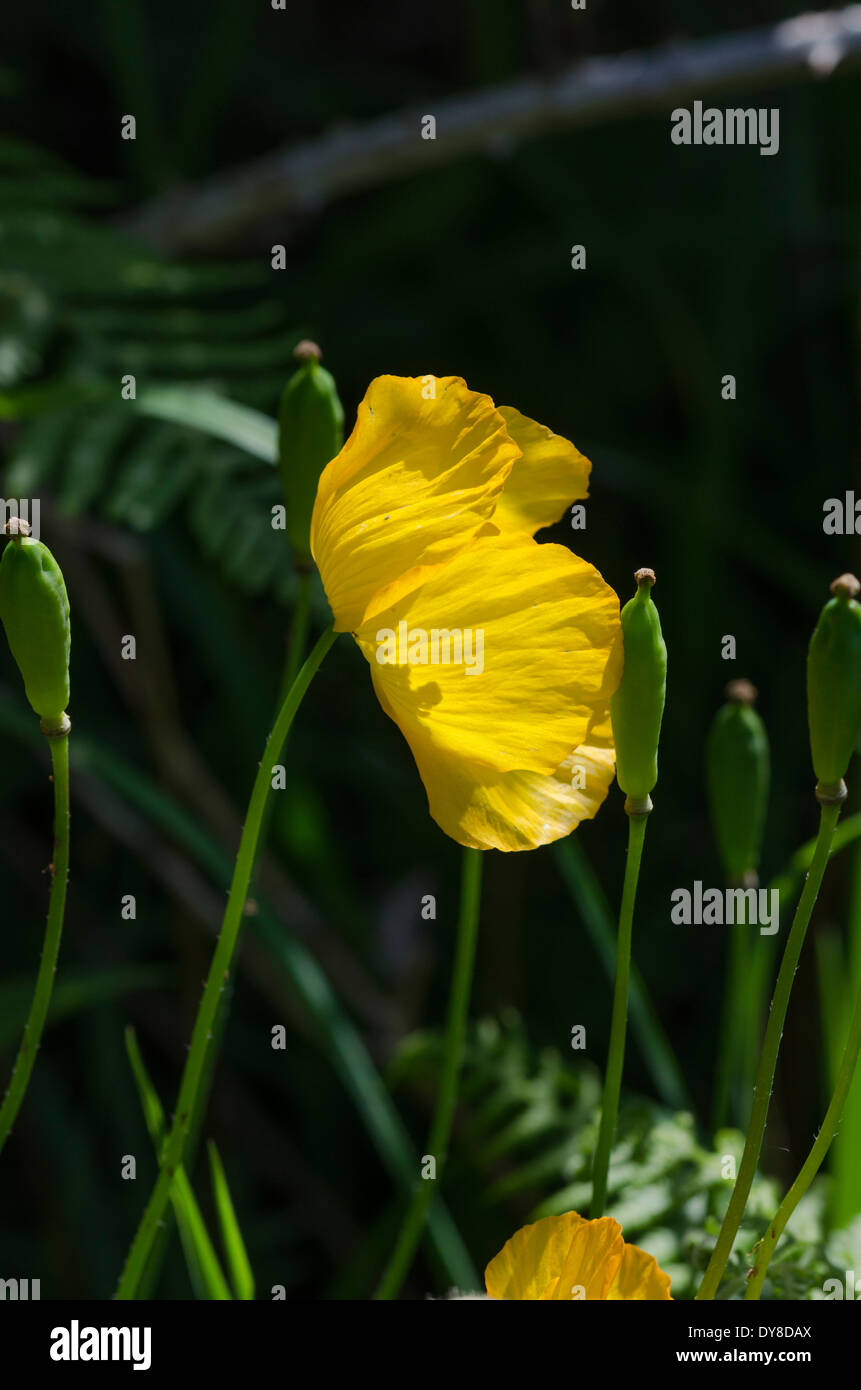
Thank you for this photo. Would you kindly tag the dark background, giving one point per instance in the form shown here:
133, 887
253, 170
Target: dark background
700, 262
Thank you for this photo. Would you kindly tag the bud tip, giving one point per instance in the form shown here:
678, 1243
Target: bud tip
306, 351
17, 526
741, 692
845, 586
644, 576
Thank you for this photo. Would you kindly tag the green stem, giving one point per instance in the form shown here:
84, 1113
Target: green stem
51, 947
594, 911
815, 1158
768, 1056
201, 1040
299, 625
618, 1024
440, 1132
294, 655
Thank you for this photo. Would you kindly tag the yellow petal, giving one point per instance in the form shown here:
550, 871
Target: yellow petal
513, 811
522, 810
551, 656
551, 475
413, 484
559, 1258
638, 1277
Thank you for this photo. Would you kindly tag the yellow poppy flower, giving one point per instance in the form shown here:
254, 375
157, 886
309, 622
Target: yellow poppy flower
494, 655
567, 1257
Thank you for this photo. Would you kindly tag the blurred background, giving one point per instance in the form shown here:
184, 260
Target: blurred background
699, 262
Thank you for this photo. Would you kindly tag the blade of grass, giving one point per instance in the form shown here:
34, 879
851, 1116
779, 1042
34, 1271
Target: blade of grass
196, 406
212, 413
789, 879
204, 1269
241, 1276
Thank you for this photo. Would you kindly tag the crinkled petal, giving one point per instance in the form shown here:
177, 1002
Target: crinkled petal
550, 632
639, 1277
522, 810
413, 484
560, 1258
514, 811
550, 475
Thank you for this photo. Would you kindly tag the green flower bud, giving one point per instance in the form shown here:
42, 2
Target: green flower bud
34, 610
637, 707
310, 433
834, 687
737, 779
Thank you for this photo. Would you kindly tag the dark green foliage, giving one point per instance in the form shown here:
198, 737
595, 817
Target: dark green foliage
700, 262
528, 1126
82, 310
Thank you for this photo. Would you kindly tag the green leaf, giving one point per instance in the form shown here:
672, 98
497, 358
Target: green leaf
250, 429
241, 1276
204, 1270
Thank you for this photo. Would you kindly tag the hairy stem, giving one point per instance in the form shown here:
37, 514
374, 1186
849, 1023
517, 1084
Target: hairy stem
815, 1158
201, 1040
619, 1020
51, 947
768, 1057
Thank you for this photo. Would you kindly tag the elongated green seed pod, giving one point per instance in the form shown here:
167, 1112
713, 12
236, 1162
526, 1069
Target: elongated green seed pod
310, 433
637, 707
738, 769
834, 686
34, 610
